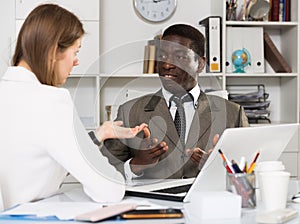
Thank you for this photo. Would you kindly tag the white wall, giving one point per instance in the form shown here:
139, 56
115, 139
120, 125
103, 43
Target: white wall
7, 37
123, 34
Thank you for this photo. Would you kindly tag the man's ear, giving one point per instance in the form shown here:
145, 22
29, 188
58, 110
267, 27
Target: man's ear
201, 64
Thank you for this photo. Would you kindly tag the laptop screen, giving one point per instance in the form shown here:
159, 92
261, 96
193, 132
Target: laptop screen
270, 140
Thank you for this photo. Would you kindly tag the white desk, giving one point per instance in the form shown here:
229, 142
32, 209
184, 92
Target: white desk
248, 215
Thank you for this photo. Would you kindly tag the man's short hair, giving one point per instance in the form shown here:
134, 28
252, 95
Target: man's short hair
190, 32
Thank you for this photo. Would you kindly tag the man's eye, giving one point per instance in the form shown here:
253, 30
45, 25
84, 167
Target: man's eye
162, 57
181, 57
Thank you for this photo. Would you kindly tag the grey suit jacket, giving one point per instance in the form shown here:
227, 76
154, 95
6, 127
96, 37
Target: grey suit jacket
213, 116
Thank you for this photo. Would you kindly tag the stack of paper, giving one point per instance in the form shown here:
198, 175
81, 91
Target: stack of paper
254, 101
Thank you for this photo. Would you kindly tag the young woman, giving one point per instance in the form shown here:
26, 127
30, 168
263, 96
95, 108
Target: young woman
42, 138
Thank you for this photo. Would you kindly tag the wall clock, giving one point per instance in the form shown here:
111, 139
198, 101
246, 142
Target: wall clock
155, 10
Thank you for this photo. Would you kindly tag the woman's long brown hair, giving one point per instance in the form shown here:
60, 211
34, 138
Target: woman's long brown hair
47, 29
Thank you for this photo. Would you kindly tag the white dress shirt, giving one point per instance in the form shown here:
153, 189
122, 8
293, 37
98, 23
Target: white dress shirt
42, 139
189, 108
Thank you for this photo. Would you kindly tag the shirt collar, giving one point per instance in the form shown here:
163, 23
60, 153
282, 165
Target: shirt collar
20, 74
195, 93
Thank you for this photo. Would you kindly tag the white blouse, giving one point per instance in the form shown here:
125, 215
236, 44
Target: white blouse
42, 139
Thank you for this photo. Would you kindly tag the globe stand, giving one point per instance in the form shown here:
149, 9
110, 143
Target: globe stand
240, 59
239, 70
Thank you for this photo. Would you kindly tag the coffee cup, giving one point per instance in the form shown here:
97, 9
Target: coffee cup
273, 190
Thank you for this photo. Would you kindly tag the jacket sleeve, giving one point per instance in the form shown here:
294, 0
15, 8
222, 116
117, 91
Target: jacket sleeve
243, 118
73, 149
116, 150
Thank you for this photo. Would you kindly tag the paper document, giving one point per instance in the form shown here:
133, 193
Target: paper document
64, 210
67, 206
60, 210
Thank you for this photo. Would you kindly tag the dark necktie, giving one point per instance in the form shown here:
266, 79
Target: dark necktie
180, 121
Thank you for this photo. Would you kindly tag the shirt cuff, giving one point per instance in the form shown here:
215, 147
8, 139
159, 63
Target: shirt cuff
128, 173
94, 138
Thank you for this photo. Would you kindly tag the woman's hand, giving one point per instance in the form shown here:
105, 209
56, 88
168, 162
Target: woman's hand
114, 129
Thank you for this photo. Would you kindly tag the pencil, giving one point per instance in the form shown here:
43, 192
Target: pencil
256, 156
251, 168
254, 161
227, 163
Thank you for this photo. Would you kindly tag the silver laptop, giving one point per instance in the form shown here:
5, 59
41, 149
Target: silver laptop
270, 140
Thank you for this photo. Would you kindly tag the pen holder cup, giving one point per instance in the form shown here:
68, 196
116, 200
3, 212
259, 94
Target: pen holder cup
242, 184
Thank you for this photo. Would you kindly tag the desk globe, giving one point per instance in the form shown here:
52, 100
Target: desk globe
240, 59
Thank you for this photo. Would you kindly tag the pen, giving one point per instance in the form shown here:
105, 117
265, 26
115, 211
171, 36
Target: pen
226, 162
245, 169
235, 167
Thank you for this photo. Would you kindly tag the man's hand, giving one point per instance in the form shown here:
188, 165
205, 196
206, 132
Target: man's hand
199, 156
149, 153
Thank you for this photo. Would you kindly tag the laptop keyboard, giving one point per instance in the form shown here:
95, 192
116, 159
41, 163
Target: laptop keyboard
175, 190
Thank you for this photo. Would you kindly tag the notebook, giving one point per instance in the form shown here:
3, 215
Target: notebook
270, 140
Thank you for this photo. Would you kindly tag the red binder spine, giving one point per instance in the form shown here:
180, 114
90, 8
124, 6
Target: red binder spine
275, 10
287, 10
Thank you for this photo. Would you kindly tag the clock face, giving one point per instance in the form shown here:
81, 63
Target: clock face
155, 10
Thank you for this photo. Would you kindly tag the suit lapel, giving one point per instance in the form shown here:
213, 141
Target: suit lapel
201, 123
210, 119
160, 120
201, 132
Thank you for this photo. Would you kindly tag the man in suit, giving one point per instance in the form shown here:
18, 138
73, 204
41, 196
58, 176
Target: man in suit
174, 151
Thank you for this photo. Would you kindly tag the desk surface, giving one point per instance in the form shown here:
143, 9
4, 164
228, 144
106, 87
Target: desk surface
248, 215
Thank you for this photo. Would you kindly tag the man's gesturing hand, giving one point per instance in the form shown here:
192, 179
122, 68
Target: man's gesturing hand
149, 153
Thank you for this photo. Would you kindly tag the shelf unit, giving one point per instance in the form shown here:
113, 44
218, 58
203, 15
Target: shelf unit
93, 88
283, 88
91, 102
83, 82
119, 88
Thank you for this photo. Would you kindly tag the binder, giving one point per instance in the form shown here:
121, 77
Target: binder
274, 57
275, 10
149, 59
287, 8
213, 33
149, 64
146, 58
250, 38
